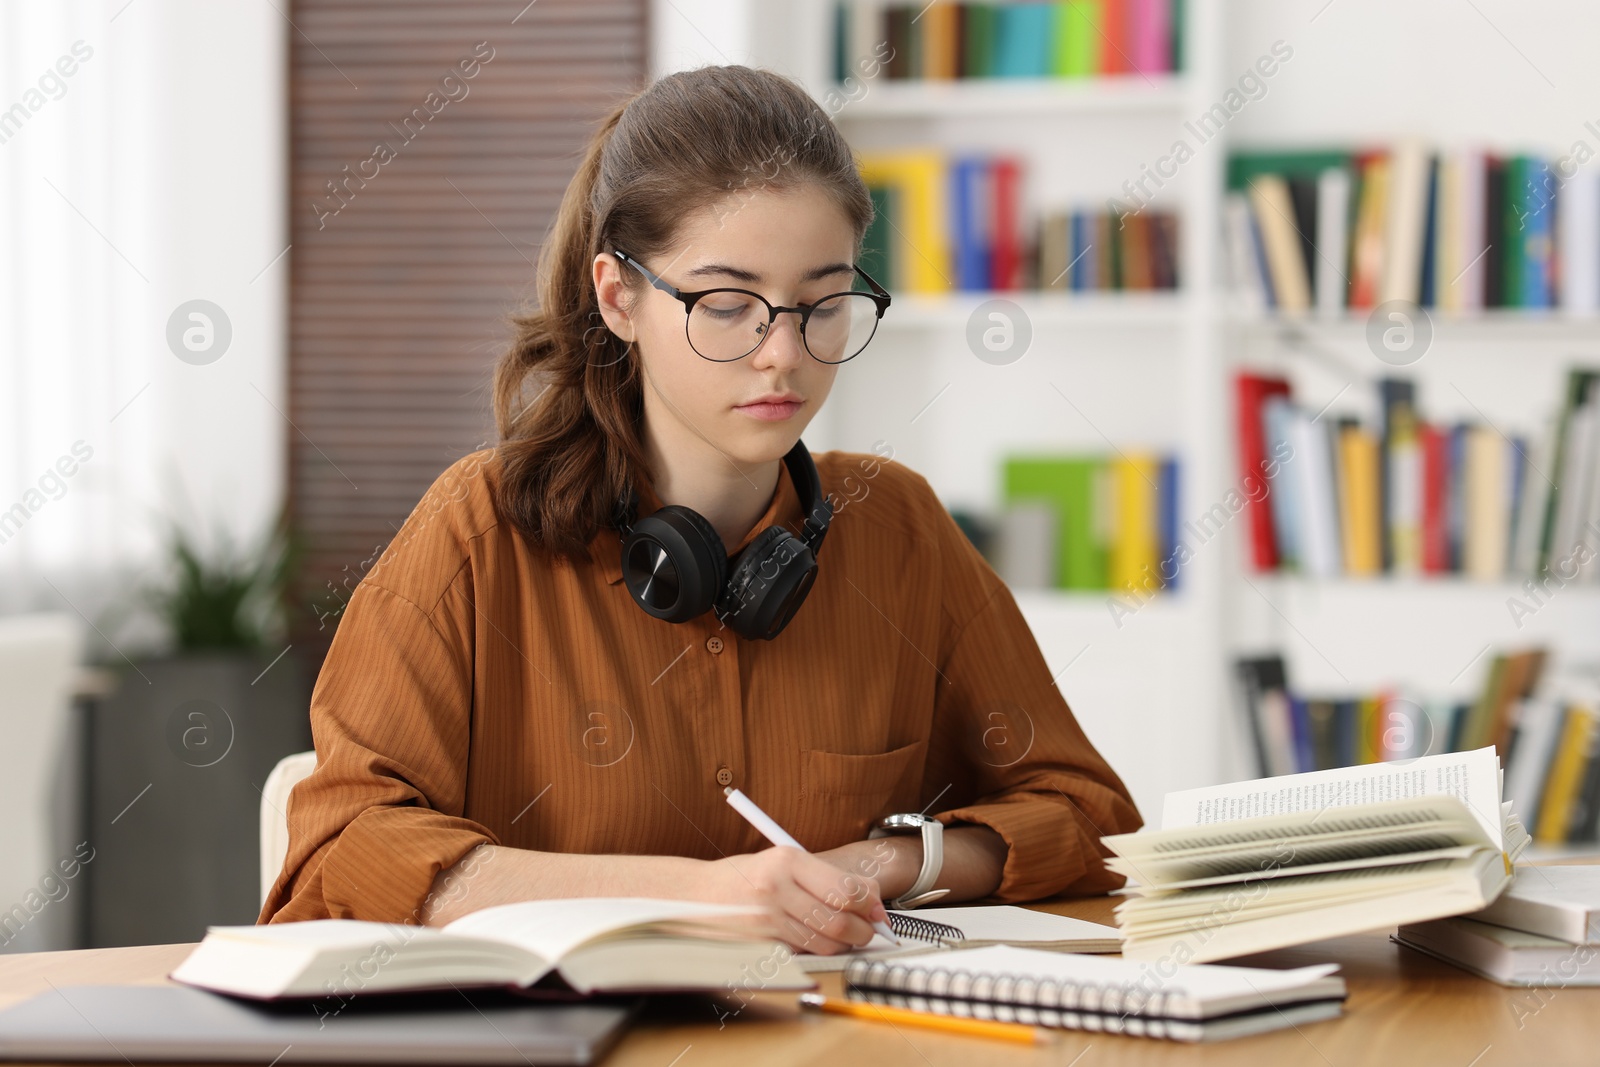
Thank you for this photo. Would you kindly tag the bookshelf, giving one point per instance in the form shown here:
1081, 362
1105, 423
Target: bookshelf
1156, 369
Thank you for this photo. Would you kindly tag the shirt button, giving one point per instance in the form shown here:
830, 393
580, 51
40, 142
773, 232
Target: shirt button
724, 776
714, 643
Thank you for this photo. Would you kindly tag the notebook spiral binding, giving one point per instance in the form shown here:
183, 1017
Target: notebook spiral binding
1013, 998
919, 929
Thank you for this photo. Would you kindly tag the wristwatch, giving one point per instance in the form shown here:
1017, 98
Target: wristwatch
932, 831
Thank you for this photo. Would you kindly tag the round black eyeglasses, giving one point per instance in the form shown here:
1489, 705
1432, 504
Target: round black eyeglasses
723, 325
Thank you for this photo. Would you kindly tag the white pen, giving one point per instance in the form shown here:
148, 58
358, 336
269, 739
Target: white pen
779, 836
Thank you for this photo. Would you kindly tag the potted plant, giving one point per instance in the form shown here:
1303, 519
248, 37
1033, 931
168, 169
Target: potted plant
178, 753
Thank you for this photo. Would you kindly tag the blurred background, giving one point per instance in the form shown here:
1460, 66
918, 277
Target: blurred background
1253, 343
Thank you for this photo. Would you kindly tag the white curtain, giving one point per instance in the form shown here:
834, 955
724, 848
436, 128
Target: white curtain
143, 160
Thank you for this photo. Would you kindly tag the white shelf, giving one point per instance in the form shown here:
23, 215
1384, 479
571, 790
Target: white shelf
1154, 94
1490, 321
913, 311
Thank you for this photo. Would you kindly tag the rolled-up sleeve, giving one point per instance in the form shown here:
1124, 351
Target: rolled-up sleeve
1009, 746
382, 813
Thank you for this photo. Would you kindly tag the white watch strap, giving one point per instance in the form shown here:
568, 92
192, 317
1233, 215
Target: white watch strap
922, 891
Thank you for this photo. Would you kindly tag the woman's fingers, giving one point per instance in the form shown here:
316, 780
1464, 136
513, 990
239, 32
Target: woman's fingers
815, 926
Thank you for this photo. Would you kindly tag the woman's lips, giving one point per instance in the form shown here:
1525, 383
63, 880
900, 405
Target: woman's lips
771, 412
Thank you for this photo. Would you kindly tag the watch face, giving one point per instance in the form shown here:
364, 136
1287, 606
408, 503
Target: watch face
902, 822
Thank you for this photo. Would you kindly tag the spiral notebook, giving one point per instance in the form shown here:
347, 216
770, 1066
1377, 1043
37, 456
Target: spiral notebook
975, 926
1198, 1002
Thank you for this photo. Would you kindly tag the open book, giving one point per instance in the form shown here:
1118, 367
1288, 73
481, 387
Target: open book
610, 944
1251, 866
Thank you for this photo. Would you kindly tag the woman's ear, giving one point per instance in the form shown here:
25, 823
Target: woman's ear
609, 293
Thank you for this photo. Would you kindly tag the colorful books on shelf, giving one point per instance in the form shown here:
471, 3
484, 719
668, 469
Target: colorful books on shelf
1072, 39
953, 222
1459, 230
1330, 496
1251, 866
1544, 930
1295, 731
1091, 522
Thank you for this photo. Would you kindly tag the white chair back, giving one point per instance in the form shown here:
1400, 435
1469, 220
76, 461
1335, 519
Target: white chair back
275, 814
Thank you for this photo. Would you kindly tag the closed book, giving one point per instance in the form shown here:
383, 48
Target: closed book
1560, 901
1005, 235
1487, 503
1133, 559
1333, 232
1303, 198
1274, 215
1316, 493
1368, 236
1114, 37
920, 247
1494, 231
1022, 43
1566, 776
939, 42
1152, 36
1252, 391
1538, 732
1435, 487
1358, 495
1509, 957
877, 256
1264, 697
1055, 251
1536, 234
1578, 243
981, 24
1245, 266
1277, 414
1405, 224
971, 204
1169, 507
1077, 40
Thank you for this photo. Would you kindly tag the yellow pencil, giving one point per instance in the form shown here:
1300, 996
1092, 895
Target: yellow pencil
884, 1013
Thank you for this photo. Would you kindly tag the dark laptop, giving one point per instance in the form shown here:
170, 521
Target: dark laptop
143, 1024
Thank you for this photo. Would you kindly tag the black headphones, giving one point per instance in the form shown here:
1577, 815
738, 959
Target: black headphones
677, 567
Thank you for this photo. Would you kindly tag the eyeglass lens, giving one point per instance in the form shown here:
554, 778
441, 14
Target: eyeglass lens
726, 325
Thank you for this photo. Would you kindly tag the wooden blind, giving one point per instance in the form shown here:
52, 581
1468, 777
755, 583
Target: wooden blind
430, 146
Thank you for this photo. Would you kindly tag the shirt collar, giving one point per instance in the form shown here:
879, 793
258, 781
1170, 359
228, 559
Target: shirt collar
783, 507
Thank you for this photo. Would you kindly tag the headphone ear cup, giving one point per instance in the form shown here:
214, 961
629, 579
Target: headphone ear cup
770, 579
674, 564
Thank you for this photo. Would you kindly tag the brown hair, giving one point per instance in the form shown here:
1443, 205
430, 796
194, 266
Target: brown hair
681, 144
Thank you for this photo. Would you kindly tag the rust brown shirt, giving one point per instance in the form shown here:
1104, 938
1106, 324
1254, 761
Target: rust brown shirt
479, 690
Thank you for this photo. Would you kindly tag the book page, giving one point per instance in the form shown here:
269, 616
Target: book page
1006, 922
1471, 777
552, 928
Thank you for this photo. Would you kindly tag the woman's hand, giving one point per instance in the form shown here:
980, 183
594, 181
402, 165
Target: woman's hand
813, 906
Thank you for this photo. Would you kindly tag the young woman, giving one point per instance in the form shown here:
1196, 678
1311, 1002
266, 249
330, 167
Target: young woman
582, 636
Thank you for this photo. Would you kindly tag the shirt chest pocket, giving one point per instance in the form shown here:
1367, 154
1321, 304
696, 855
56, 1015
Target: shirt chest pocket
842, 793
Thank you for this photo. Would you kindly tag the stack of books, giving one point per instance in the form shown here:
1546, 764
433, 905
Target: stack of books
1090, 522
1330, 496
1459, 230
1074, 39
945, 222
1542, 931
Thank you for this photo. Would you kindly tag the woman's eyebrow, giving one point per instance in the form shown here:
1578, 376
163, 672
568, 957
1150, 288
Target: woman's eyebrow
750, 276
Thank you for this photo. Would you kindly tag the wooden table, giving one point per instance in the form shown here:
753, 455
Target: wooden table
1404, 1008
